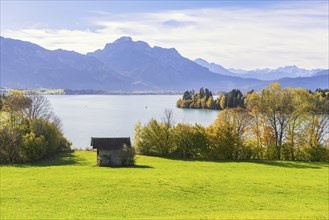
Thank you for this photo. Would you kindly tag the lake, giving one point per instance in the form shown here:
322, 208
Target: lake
86, 116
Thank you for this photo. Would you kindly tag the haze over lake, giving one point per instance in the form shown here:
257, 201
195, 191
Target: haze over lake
86, 116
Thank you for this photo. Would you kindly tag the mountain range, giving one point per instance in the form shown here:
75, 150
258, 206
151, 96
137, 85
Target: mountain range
261, 74
129, 65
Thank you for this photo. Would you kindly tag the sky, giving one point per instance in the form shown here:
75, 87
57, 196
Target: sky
236, 34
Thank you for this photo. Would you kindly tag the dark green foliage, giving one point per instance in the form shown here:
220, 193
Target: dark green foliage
233, 99
188, 95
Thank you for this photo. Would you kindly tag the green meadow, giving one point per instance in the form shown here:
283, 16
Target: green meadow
73, 187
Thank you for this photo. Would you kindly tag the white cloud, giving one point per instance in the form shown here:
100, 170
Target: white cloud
234, 37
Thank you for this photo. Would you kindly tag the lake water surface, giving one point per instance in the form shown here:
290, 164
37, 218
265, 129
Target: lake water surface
86, 116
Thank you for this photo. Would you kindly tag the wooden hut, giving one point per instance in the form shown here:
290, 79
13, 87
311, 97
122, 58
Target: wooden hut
114, 152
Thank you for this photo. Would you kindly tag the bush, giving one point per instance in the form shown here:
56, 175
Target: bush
155, 138
316, 153
33, 147
56, 142
10, 142
189, 141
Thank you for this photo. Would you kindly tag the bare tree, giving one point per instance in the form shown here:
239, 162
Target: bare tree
168, 118
39, 108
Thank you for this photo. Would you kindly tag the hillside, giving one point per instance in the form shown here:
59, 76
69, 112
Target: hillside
72, 187
312, 83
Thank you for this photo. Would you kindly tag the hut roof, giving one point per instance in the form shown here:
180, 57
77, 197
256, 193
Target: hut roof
110, 143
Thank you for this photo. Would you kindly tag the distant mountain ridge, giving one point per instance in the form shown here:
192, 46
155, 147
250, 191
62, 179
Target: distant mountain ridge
261, 74
124, 65
216, 68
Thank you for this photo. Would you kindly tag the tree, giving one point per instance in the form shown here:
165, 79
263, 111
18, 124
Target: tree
322, 101
39, 106
14, 105
155, 138
279, 117
138, 135
183, 136
256, 128
187, 95
210, 103
167, 125
190, 141
303, 104
276, 104
207, 94
202, 93
315, 129
222, 102
168, 118
228, 133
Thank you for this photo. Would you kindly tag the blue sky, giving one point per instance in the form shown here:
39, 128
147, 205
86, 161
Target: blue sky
240, 34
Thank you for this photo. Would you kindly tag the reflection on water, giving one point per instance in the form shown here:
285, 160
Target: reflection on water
87, 116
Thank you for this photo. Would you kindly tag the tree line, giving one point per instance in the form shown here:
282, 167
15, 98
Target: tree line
204, 100
29, 130
275, 123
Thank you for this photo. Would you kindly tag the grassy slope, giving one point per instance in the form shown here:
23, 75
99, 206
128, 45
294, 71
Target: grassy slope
73, 187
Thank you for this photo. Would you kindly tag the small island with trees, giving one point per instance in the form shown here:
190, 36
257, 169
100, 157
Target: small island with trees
204, 100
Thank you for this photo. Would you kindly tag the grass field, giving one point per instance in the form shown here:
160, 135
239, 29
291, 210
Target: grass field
72, 187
